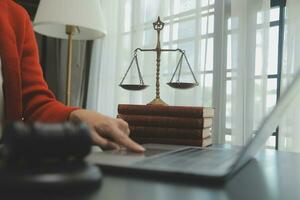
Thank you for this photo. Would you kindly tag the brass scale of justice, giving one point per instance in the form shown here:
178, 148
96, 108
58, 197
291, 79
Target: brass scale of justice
158, 26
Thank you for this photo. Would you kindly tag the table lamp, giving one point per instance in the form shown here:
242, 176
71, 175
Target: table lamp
72, 20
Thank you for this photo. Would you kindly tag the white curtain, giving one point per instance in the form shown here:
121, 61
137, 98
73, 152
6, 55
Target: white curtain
289, 139
129, 24
250, 21
226, 42
103, 82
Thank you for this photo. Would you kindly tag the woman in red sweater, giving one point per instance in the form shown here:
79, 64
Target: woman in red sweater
25, 93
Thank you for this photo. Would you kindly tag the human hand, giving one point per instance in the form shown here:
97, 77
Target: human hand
107, 132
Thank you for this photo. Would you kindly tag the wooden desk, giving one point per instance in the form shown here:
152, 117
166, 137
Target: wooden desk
273, 175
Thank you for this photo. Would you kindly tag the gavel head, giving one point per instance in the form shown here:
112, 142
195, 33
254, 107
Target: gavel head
40, 142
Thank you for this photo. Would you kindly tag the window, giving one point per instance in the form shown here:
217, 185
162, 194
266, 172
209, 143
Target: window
189, 25
274, 67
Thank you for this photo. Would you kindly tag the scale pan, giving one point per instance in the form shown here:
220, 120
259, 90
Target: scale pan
182, 85
133, 87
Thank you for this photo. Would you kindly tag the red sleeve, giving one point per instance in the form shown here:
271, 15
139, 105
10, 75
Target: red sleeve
39, 103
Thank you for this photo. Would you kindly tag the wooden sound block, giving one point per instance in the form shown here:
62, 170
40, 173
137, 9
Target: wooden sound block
59, 178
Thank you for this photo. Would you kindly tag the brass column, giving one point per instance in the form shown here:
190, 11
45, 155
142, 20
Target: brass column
69, 31
158, 26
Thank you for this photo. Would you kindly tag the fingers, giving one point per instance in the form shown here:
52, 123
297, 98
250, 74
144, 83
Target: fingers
123, 125
121, 138
108, 132
102, 142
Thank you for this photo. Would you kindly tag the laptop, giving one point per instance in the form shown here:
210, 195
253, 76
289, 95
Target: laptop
195, 162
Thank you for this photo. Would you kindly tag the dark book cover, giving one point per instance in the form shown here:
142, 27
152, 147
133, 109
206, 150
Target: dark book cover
165, 121
160, 110
201, 143
158, 132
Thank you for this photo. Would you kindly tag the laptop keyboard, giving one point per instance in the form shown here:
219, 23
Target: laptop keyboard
188, 158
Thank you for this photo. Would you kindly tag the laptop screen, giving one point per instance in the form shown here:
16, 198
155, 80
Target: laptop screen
270, 122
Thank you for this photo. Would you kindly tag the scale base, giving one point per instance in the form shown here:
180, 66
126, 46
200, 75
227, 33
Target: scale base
158, 101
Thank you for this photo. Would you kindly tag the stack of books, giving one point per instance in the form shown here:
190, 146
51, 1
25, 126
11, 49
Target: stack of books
181, 125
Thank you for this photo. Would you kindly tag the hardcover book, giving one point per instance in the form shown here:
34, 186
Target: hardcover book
201, 143
158, 132
159, 110
165, 121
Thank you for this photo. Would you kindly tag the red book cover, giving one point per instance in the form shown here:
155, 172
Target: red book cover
165, 121
201, 143
158, 132
161, 110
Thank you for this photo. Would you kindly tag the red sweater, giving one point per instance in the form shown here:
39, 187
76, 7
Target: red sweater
26, 94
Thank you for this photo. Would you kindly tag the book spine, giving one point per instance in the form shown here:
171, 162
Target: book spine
157, 132
170, 122
176, 111
201, 143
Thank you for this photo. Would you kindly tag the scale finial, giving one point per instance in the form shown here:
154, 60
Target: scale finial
158, 25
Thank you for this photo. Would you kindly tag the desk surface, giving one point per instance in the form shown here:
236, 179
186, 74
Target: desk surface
273, 175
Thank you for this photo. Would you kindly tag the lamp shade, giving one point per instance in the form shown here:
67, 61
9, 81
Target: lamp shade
53, 16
